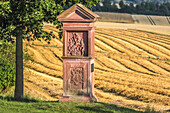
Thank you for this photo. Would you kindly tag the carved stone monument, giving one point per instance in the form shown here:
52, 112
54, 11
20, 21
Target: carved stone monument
78, 54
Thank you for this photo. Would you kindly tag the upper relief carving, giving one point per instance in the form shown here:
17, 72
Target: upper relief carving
76, 44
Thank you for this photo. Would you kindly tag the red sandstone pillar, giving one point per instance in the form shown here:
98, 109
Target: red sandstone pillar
78, 54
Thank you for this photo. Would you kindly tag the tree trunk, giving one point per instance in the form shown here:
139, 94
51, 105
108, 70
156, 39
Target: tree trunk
19, 67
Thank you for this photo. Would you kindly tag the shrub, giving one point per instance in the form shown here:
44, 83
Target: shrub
7, 50
7, 73
7, 63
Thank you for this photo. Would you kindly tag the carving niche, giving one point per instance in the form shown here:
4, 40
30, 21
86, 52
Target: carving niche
76, 78
77, 44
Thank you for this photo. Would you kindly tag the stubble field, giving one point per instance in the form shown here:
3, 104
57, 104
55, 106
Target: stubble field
132, 68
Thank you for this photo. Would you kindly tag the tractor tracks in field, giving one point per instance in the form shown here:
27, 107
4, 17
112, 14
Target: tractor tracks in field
45, 86
145, 46
130, 42
137, 65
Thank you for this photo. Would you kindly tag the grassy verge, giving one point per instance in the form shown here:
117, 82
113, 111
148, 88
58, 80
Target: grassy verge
8, 105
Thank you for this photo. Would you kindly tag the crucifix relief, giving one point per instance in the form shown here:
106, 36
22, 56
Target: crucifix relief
77, 44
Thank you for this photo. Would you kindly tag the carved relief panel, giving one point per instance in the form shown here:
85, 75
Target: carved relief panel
77, 43
77, 78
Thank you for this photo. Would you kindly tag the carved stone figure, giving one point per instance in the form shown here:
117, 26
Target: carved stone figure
76, 78
76, 46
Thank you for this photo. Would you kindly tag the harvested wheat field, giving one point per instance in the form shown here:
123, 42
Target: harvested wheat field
115, 17
132, 68
149, 28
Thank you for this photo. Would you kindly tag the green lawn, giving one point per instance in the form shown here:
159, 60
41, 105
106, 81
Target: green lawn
8, 105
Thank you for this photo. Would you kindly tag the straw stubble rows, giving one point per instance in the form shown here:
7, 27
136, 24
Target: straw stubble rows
131, 64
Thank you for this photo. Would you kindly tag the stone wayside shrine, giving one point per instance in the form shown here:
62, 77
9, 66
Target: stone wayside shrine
78, 54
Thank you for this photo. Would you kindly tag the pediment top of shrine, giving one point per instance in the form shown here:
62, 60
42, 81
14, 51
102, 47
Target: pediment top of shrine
79, 13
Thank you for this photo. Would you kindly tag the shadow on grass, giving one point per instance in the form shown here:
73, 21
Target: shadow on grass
26, 99
51, 106
108, 108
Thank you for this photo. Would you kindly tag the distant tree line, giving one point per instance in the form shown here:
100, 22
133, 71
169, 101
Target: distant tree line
139, 1
147, 8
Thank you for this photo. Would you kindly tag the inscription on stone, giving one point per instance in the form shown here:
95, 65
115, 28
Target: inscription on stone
77, 44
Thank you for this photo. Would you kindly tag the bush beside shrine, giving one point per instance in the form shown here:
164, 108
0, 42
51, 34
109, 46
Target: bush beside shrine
7, 65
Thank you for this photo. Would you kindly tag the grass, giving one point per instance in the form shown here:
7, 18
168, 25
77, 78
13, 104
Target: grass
8, 105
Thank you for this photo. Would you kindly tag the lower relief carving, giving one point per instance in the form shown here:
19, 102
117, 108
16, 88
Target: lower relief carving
76, 79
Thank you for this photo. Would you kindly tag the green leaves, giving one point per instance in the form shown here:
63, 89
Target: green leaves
7, 65
5, 26
7, 73
4, 8
29, 15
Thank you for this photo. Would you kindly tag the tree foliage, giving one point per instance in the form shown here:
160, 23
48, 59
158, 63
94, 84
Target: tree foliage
28, 16
139, 1
107, 7
5, 27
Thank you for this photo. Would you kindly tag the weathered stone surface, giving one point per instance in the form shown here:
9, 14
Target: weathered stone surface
77, 44
78, 54
78, 12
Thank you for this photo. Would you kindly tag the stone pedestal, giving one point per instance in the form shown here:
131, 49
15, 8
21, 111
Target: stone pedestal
78, 54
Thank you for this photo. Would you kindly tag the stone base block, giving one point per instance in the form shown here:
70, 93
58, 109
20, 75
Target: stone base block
77, 99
